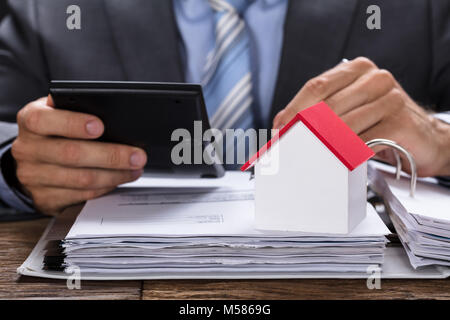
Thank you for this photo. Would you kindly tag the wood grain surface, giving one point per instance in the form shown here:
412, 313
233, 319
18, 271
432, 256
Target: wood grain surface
295, 289
17, 239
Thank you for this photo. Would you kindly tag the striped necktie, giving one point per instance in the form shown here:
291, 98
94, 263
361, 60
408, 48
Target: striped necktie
227, 81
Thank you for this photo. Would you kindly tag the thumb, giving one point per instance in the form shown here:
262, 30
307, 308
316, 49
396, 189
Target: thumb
50, 102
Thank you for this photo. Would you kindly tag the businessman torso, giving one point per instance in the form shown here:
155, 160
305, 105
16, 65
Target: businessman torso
138, 40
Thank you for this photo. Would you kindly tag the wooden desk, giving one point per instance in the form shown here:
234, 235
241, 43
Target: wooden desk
18, 238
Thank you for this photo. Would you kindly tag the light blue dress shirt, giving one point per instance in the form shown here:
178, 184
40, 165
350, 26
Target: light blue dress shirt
11, 197
265, 22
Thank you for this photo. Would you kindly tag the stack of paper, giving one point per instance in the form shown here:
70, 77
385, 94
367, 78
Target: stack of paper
422, 222
205, 228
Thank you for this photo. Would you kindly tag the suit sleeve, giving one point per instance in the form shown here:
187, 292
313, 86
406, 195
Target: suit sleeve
22, 64
440, 46
22, 79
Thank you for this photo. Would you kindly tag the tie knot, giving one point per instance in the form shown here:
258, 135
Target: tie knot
238, 6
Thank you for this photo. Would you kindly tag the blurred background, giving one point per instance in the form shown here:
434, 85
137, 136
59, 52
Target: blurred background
2, 9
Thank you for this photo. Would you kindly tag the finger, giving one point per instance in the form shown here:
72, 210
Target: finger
80, 153
382, 130
324, 85
390, 110
50, 102
386, 130
280, 119
385, 155
54, 200
365, 89
42, 119
364, 117
334, 80
47, 175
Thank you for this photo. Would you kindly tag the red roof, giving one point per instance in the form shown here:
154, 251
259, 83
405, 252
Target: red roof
331, 130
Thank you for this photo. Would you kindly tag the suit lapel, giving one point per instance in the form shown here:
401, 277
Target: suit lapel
146, 38
315, 35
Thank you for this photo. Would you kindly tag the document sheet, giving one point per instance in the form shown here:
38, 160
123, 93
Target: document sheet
207, 228
422, 222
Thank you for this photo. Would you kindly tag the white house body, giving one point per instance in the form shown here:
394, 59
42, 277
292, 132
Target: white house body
303, 184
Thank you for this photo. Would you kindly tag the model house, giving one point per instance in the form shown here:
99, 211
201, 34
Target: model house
312, 176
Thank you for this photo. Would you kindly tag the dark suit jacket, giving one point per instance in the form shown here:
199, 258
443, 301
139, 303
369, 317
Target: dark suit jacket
2, 9
138, 40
